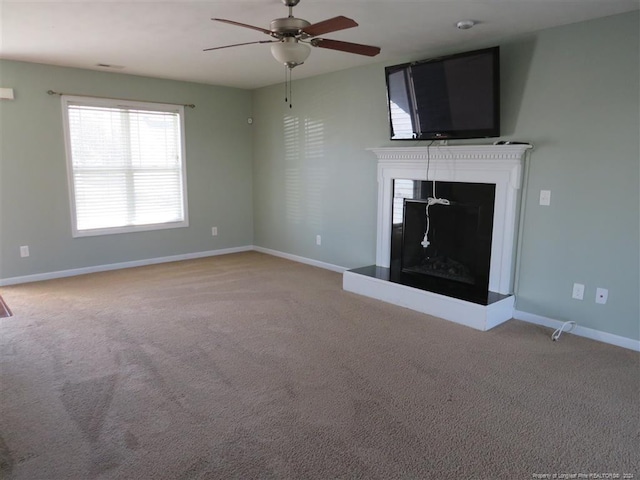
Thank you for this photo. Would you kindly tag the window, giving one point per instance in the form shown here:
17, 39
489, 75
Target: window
125, 163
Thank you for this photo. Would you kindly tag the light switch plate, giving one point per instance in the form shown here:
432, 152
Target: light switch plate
545, 197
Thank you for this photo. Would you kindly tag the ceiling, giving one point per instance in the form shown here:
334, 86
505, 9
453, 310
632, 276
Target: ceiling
166, 39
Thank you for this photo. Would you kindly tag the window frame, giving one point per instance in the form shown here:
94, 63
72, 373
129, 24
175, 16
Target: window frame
73, 100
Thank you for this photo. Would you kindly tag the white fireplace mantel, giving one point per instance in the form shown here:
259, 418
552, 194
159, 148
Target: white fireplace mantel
500, 165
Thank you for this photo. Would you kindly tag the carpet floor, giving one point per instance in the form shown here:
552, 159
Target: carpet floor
248, 366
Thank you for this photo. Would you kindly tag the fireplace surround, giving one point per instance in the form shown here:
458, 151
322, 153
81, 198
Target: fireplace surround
498, 165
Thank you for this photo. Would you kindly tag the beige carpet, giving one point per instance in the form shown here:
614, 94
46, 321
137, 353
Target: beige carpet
249, 366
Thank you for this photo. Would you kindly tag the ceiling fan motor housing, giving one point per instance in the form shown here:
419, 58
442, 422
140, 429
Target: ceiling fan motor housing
288, 27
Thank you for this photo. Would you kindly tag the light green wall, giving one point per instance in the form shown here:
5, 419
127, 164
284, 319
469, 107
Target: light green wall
34, 207
580, 107
572, 91
312, 175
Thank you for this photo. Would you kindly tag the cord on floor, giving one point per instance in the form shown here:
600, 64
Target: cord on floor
556, 335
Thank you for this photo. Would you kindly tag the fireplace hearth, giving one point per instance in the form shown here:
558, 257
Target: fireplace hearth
446, 242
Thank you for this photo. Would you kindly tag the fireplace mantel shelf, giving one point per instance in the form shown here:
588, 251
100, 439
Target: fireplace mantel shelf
454, 161
501, 165
491, 152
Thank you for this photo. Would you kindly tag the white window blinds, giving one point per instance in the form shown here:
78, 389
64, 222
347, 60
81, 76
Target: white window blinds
125, 164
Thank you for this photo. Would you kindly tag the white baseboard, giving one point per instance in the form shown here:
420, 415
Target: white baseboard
296, 258
116, 266
598, 335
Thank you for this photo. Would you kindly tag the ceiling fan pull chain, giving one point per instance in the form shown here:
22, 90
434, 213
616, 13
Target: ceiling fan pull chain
286, 99
287, 85
290, 89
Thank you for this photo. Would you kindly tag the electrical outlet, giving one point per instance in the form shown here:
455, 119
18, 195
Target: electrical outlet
545, 197
578, 291
601, 295
214, 231
24, 251
318, 240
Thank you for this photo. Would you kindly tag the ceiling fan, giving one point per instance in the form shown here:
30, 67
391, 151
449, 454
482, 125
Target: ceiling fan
292, 37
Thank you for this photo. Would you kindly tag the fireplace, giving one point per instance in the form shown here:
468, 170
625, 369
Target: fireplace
446, 240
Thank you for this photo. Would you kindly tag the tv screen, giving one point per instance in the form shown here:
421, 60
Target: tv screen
457, 96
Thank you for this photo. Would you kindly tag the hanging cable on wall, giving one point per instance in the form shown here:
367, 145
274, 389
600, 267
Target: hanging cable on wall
432, 200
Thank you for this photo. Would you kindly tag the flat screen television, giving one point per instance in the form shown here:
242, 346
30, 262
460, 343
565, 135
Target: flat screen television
456, 96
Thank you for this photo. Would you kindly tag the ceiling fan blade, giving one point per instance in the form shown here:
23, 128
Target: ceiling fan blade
348, 47
238, 24
238, 44
331, 25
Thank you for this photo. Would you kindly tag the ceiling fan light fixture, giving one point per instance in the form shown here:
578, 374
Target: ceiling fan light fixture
290, 52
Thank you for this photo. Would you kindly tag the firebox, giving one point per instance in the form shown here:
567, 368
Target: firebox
441, 236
